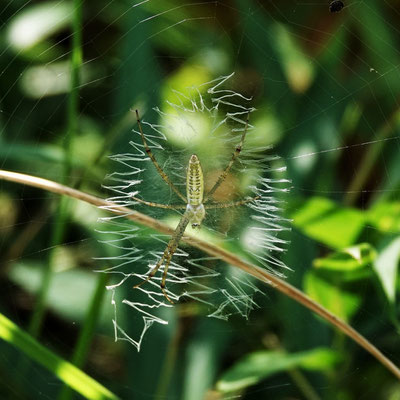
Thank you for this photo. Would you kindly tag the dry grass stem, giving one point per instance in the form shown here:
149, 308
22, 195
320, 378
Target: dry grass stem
213, 250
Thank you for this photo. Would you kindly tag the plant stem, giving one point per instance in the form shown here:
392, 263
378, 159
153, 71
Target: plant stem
62, 208
213, 250
304, 386
73, 98
40, 304
86, 334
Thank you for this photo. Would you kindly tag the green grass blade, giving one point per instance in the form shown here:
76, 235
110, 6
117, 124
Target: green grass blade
85, 338
65, 371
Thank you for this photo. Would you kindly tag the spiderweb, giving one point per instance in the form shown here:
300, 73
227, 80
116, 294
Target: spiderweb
205, 115
326, 88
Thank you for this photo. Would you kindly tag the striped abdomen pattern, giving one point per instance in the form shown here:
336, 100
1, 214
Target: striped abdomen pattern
194, 182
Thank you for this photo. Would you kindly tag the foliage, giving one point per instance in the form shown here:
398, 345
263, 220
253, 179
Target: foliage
326, 89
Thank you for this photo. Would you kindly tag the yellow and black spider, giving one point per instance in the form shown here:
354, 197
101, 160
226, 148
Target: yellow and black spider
195, 205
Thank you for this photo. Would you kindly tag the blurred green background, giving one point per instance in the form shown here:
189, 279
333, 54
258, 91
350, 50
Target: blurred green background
326, 88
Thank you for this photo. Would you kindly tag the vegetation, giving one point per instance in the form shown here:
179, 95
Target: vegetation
326, 88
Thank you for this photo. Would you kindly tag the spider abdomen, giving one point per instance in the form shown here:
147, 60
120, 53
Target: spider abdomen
194, 182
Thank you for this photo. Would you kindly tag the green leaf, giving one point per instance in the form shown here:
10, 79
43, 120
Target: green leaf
259, 365
351, 263
31, 152
385, 216
37, 22
70, 290
326, 222
336, 299
386, 266
66, 372
296, 64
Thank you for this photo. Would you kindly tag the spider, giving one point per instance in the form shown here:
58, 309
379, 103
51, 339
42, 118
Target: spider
196, 203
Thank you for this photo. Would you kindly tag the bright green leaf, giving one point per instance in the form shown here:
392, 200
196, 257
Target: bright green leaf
66, 372
259, 365
335, 298
326, 222
351, 262
385, 216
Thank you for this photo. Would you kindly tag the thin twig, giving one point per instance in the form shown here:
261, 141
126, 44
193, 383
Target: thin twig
213, 250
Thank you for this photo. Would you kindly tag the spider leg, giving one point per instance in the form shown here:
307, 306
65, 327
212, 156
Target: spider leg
235, 155
163, 175
231, 204
167, 255
158, 205
152, 272
164, 277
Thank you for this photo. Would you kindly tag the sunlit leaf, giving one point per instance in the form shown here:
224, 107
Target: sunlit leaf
326, 222
386, 266
38, 22
385, 216
350, 263
336, 299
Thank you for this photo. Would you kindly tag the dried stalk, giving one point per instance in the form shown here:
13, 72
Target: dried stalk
213, 250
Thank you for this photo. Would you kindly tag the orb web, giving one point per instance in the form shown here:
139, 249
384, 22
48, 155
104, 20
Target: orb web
208, 120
